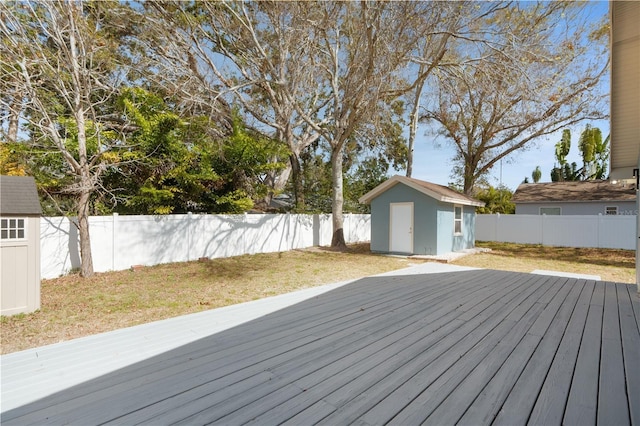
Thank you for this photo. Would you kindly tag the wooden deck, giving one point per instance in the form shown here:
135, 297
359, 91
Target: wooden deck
475, 347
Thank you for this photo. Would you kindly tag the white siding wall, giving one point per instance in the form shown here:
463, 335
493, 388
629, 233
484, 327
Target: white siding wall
582, 208
118, 242
568, 231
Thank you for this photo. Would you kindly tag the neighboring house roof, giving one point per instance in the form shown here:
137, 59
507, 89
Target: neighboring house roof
18, 195
563, 192
439, 192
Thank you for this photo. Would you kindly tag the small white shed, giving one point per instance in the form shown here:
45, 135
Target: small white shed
20, 245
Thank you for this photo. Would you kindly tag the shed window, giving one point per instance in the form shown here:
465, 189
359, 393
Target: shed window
12, 229
457, 219
611, 210
551, 210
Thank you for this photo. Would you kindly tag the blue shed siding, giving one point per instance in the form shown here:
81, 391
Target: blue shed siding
468, 237
424, 219
445, 228
447, 241
432, 222
380, 222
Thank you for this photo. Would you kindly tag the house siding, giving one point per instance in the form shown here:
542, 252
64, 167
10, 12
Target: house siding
424, 219
582, 208
625, 88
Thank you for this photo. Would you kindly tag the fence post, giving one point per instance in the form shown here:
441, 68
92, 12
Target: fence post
114, 239
189, 215
245, 220
288, 234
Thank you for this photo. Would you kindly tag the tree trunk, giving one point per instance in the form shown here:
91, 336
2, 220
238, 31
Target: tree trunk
14, 118
412, 137
86, 188
86, 258
298, 189
469, 182
337, 240
413, 125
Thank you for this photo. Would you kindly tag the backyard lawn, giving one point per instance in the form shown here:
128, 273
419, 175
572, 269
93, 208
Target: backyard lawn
610, 264
73, 307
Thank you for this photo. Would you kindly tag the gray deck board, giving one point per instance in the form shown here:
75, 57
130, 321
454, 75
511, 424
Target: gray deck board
582, 403
631, 349
332, 359
612, 398
550, 327
486, 405
550, 406
457, 393
353, 387
473, 347
400, 386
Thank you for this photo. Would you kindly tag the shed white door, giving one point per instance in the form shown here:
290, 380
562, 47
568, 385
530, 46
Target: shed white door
401, 228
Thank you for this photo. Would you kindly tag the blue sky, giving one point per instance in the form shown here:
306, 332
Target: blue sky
432, 156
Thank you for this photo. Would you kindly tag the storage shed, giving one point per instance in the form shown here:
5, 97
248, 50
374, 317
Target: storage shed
411, 216
20, 245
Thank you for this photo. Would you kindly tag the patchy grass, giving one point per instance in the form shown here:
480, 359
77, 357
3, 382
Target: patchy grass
73, 307
610, 264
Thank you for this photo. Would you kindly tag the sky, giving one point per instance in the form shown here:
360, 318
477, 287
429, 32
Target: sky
432, 155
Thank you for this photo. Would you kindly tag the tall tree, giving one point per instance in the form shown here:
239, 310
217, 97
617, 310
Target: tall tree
361, 48
562, 150
536, 174
442, 25
438, 22
595, 153
174, 53
497, 200
60, 56
254, 54
534, 78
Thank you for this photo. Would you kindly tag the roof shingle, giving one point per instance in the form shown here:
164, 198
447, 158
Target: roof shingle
19, 196
591, 190
439, 192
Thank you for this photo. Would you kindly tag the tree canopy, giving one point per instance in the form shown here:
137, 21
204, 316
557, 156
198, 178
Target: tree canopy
218, 106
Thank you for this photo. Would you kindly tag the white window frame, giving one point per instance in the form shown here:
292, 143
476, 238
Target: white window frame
611, 210
549, 208
13, 228
457, 220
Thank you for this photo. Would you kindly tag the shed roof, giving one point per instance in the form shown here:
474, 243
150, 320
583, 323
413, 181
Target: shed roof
584, 191
433, 190
18, 195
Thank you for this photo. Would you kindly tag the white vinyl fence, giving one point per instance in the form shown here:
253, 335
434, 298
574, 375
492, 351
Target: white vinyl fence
567, 231
119, 242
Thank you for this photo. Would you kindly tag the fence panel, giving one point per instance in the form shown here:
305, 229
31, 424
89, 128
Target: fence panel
596, 231
118, 241
59, 250
618, 233
571, 231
